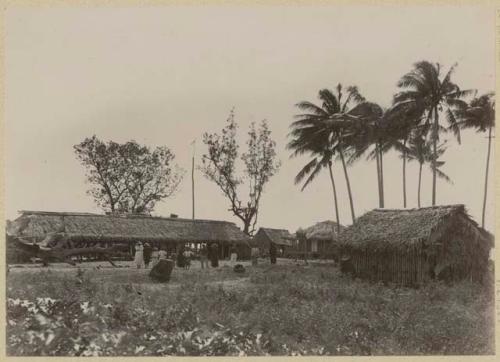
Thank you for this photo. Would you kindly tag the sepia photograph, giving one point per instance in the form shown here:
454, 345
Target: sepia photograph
250, 179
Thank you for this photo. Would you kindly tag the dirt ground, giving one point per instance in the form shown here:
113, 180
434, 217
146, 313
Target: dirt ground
126, 272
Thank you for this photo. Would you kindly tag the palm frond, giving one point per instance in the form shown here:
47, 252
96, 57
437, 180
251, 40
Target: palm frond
457, 104
330, 102
453, 124
447, 77
443, 176
312, 175
412, 81
311, 107
461, 93
430, 73
353, 95
306, 170
409, 96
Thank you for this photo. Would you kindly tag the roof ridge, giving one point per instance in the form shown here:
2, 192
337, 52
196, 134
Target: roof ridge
263, 228
453, 206
120, 216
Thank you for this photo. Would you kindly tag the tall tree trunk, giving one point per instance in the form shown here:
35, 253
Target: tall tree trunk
434, 159
486, 176
348, 184
334, 197
377, 157
246, 227
382, 177
419, 183
404, 174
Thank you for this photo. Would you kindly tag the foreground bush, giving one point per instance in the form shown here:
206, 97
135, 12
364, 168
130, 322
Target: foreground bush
280, 311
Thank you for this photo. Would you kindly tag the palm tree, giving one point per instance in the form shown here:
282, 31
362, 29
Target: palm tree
429, 93
381, 128
329, 122
422, 151
398, 127
368, 131
402, 122
314, 142
480, 115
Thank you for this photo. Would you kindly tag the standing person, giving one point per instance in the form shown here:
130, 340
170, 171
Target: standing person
233, 255
255, 256
162, 255
272, 253
214, 255
154, 256
204, 257
180, 258
148, 250
139, 255
187, 258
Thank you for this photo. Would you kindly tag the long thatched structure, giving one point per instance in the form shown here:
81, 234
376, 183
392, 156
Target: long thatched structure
84, 229
412, 246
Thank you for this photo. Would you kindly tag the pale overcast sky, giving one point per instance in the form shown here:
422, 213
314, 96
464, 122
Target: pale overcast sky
164, 75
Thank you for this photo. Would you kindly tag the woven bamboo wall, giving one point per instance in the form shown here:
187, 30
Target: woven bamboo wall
408, 267
456, 258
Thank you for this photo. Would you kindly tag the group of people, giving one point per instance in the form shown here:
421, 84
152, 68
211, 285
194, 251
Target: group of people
145, 255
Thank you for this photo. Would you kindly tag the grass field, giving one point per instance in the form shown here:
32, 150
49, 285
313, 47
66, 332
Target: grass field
269, 310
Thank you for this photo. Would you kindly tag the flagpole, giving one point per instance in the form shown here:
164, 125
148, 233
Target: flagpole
192, 175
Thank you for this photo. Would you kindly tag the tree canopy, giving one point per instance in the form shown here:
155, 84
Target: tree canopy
128, 177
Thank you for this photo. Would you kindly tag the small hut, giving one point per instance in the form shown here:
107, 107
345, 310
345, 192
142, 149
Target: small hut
264, 237
412, 246
86, 230
319, 240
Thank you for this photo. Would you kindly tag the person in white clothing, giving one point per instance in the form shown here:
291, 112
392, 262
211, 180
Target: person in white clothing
139, 255
233, 255
162, 255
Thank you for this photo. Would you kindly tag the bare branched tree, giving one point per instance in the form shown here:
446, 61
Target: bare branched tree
219, 166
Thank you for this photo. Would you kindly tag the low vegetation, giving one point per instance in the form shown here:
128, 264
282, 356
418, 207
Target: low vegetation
279, 310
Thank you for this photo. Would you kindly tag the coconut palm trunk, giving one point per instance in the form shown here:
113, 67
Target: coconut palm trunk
382, 177
434, 150
419, 183
486, 176
377, 157
404, 174
334, 197
341, 152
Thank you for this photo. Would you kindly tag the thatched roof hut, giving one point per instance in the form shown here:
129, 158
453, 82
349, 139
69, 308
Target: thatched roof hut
412, 245
86, 227
279, 237
322, 231
319, 240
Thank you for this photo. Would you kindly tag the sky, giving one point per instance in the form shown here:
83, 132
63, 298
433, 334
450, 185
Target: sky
165, 75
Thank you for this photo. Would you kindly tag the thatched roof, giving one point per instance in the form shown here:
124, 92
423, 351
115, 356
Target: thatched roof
113, 228
275, 236
322, 231
387, 229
